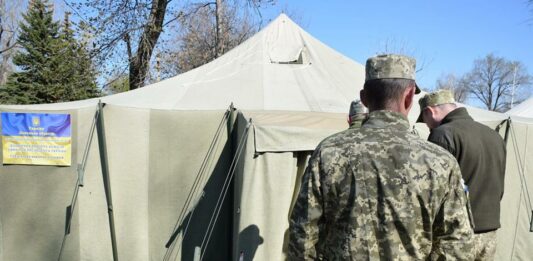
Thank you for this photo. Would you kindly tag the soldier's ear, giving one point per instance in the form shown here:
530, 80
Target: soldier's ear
432, 111
409, 94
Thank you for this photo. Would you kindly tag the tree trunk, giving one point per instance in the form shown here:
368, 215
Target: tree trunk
140, 63
219, 44
8, 29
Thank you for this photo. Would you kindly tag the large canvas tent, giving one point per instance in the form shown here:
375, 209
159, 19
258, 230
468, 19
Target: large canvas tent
172, 146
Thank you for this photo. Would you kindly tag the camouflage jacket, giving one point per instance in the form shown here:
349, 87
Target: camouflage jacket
380, 193
357, 121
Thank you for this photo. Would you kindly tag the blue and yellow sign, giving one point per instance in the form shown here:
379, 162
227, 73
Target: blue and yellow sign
36, 138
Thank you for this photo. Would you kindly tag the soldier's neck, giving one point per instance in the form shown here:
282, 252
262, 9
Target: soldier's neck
395, 107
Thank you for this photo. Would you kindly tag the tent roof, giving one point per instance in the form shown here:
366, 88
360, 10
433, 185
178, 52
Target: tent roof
483, 115
524, 109
282, 67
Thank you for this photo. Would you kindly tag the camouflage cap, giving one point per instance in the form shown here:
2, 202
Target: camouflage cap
435, 98
391, 66
357, 107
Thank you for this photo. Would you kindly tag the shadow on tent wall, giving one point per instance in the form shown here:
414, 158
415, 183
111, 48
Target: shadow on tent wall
249, 240
173, 161
218, 246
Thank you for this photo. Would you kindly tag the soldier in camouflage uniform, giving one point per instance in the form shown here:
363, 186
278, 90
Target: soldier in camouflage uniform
357, 114
379, 192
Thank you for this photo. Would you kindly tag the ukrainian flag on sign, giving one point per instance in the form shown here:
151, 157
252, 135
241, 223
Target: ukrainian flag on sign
36, 138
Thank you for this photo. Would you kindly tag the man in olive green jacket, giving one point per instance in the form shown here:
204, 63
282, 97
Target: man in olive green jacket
480, 152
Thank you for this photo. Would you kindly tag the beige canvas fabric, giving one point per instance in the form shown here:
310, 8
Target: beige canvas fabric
514, 237
524, 109
306, 129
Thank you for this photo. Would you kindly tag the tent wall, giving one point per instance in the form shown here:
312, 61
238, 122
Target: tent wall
265, 185
514, 238
127, 139
179, 141
33, 202
154, 157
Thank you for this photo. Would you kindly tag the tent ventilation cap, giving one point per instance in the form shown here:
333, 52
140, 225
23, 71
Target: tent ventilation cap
302, 58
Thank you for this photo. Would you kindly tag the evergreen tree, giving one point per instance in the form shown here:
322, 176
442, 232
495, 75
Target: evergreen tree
78, 72
53, 66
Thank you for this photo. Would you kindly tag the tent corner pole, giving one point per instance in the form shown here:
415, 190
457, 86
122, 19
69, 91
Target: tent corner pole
231, 138
507, 130
105, 174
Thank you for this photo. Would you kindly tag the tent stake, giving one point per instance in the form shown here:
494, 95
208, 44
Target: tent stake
105, 173
197, 253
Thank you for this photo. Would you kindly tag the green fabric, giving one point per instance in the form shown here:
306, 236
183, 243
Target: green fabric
357, 121
33, 206
481, 154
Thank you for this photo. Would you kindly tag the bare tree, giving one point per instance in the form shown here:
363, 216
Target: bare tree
399, 46
497, 82
124, 29
131, 29
201, 39
9, 17
455, 84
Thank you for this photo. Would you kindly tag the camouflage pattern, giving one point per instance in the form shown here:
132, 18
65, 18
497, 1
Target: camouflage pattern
391, 66
357, 120
357, 107
357, 114
380, 193
485, 246
433, 99
436, 98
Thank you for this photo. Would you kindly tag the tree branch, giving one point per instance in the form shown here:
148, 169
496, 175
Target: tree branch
184, 15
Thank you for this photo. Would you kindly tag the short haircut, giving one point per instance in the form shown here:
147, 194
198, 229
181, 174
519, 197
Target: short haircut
446, 106
380, 93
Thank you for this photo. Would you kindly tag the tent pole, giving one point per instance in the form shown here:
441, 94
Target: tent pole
507, 130
105, 173
81, 172
231, 135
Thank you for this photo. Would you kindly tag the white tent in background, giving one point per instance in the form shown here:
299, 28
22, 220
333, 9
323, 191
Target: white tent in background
524, 109
290, 91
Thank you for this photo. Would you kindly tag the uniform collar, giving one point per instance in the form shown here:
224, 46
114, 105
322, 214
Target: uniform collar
357, 120
386, 119
457, 114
